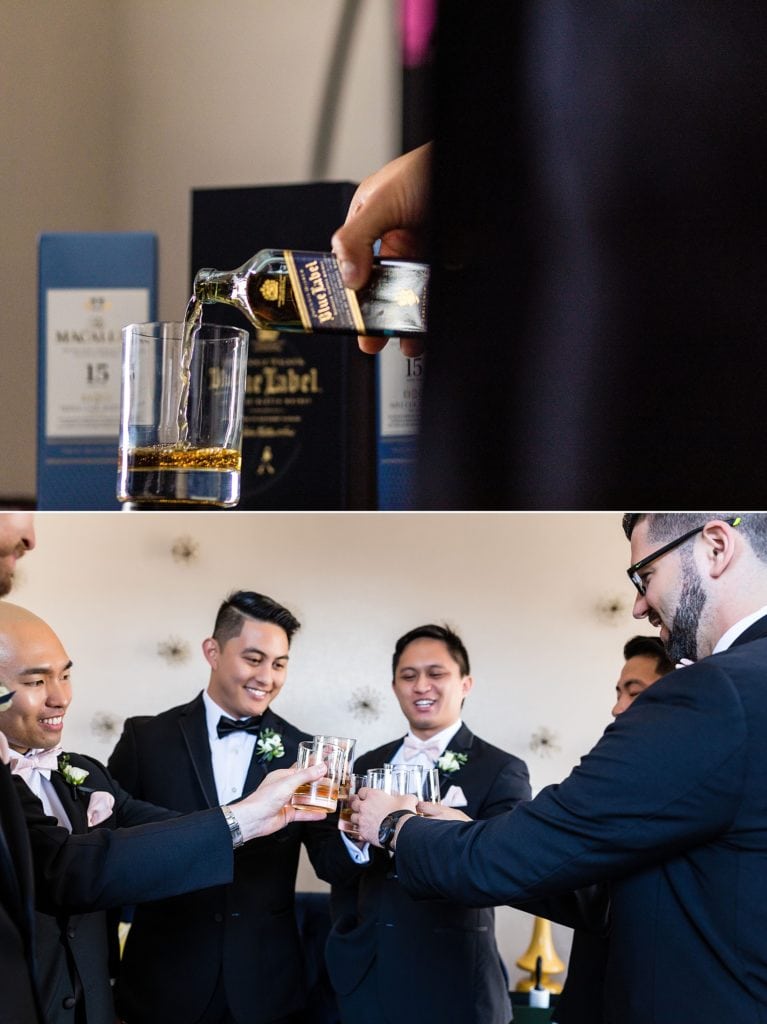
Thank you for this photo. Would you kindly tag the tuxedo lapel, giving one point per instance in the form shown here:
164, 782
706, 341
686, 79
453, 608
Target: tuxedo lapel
74, 802
461, 743
388, 752
258, 768
194, 729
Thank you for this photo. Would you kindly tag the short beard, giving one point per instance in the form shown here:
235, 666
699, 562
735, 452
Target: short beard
683, 635
6, 582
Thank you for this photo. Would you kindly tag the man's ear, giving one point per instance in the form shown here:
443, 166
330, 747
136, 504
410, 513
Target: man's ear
211, 651
720, 545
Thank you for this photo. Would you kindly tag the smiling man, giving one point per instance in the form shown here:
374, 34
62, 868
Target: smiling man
669, 807
231, 953
395, 959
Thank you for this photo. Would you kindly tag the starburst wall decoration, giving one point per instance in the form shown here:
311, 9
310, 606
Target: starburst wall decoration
611, 609
106, 725
364, 704
173, 650
544, 742
185, 550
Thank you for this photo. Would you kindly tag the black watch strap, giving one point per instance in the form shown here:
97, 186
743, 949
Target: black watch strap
389, 827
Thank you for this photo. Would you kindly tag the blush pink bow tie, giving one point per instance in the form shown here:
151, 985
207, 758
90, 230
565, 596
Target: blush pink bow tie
44, 761
412, 747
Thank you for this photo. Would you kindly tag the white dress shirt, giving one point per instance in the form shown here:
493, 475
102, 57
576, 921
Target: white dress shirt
231, 755
728, 638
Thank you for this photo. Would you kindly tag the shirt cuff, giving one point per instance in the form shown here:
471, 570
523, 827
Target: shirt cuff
359, 856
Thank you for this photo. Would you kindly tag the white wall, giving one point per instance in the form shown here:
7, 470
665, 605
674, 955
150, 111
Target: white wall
541, 601
112, 111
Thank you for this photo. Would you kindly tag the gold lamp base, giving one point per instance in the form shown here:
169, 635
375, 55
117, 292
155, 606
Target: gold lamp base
541, 945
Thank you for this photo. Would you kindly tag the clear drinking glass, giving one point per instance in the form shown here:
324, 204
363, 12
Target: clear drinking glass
353, 784
406, 779
321, 795
347, 744
431, 785
181, 414
379, 778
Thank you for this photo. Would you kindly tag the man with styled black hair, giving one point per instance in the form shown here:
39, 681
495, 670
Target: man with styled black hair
439, 957
445, 634
243, 604
669, 806
231, 953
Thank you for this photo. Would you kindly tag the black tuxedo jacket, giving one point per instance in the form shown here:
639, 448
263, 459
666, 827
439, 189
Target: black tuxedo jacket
587, 912
78, 876
19, 1003
670, 808
176, 949
439, 957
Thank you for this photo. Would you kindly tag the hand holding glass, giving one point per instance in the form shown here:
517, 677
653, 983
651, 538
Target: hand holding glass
321, 795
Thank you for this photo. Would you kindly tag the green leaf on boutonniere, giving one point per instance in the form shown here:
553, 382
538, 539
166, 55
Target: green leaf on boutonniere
451, 762
269, 745
74, 776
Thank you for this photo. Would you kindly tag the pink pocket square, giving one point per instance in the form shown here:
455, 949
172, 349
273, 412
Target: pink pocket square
99, 807
454, 797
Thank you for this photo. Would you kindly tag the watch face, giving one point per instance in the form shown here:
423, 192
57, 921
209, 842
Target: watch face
388, 827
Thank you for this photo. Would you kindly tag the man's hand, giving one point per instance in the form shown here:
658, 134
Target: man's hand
370, 807
430, 810
268, 808
392, 204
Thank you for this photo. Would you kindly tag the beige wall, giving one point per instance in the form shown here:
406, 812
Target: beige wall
541, 600
112, 111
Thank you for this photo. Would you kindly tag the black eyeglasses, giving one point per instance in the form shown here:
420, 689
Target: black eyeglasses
634, 570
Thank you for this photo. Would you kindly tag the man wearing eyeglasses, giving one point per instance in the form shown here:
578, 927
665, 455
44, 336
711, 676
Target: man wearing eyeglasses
670, 806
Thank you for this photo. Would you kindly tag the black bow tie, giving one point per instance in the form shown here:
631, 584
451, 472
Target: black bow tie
227, 725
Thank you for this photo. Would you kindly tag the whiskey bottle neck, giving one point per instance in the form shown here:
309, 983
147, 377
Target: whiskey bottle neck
215, 286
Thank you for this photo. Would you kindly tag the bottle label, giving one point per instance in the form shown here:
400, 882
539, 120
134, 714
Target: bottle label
322, 300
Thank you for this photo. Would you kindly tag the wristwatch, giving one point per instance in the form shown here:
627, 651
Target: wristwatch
389, 826
234, 826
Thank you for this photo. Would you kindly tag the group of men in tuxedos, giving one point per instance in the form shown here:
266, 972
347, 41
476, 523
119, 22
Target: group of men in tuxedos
209, 943
665, 817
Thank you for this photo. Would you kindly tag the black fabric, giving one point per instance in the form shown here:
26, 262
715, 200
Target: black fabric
226, 726
598, 313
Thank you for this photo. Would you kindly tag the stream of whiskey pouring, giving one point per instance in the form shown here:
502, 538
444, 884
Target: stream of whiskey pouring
192, 324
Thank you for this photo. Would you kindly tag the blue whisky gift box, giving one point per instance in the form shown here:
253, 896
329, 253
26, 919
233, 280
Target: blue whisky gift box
90, 286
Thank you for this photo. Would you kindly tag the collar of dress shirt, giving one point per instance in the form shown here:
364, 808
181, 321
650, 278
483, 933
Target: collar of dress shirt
731, 635
444, 736
213, 712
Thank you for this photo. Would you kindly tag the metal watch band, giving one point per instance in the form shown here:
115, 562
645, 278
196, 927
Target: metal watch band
234, 826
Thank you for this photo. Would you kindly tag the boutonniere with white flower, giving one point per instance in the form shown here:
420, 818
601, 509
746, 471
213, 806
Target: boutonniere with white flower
74, 776
451, 762
269, 745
